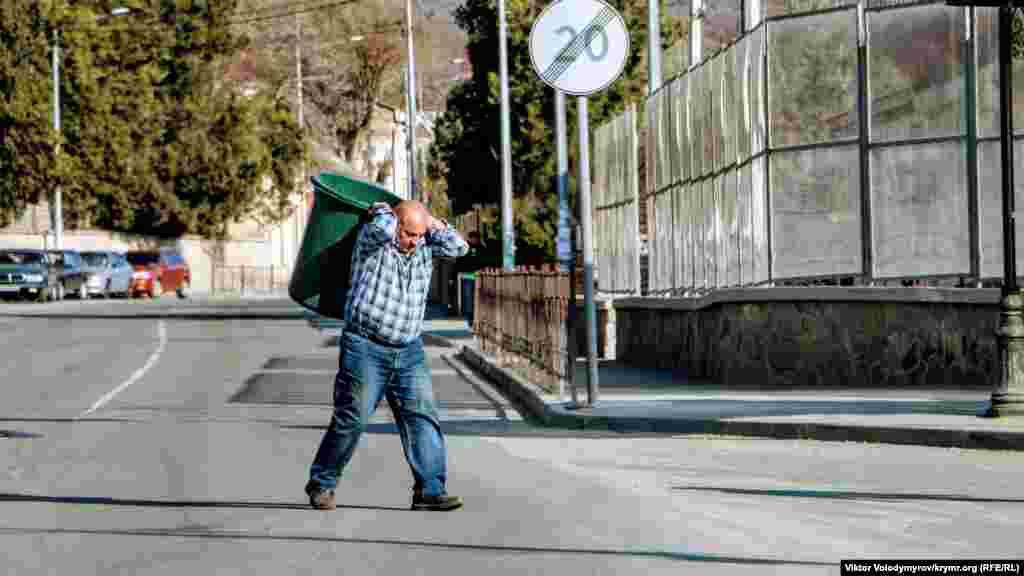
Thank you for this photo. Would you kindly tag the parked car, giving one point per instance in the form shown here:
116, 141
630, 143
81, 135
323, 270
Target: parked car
107, 273
157, 272
28, 274
72, 277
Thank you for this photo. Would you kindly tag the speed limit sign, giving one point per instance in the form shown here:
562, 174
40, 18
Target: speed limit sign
579, 46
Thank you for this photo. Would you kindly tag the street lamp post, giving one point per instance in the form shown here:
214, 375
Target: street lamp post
58, 199
1008, 396
58, 212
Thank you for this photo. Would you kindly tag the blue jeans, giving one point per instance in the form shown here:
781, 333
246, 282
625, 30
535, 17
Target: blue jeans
367, 371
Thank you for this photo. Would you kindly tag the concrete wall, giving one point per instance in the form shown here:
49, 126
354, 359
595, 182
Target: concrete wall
818, 337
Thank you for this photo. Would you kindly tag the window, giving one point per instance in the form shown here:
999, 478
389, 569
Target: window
96, 259
21, 258
142, 258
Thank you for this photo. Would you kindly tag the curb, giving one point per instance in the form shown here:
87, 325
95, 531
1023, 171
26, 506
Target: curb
529, 401
525, 397
482, 388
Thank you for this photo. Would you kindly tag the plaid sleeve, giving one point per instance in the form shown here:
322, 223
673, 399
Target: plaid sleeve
447, 242
382, 226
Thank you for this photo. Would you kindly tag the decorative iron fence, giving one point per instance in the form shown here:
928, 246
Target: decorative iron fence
520, 319
249, 280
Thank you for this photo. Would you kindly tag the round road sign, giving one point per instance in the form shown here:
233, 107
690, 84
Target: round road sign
579, 46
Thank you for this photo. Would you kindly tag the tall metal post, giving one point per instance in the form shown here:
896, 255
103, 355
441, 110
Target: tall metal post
1008, 397
302, 130
507, 224
653, 46
586, 216
411, 93
57, 208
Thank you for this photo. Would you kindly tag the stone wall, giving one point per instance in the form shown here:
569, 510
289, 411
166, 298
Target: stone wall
818, 337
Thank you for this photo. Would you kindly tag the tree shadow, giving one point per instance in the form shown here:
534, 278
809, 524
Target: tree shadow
206, 534
498, 428
847, 495
77, 420
151, 503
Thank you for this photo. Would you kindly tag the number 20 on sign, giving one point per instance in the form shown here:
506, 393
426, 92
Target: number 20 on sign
579, 46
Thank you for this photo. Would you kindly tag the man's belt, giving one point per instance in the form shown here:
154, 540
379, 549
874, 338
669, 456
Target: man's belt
360, 331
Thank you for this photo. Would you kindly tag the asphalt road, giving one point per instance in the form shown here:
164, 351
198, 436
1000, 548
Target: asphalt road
173, 446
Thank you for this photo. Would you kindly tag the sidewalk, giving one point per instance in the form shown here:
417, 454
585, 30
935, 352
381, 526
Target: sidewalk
639, 400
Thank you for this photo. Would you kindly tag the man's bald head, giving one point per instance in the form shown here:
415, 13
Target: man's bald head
412, 210
413, 222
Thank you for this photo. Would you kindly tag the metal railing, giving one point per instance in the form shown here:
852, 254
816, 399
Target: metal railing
520, 319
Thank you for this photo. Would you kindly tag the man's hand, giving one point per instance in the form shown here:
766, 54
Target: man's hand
436, 224
378, 206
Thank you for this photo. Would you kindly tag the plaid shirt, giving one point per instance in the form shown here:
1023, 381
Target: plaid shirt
388, 293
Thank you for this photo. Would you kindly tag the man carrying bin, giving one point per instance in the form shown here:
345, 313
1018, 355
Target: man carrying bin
382, 352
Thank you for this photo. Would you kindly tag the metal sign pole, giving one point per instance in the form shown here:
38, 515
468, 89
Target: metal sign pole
580, 47
566, 253
589, 314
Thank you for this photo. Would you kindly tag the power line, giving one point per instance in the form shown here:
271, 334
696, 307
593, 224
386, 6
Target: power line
292, 12
287, 5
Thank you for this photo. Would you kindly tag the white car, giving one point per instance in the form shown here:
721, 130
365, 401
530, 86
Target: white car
106, 273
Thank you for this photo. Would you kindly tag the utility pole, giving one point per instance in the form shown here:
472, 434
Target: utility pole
411, 94
57, 208
507, 225
301, 216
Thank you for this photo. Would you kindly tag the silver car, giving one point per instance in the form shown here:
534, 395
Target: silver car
106, 273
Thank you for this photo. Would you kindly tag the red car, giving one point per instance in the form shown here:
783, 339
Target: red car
157, 272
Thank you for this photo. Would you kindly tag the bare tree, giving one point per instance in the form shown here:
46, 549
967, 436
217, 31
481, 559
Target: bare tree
357, 66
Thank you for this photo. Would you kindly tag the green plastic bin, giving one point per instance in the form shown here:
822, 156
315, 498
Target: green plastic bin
323, 268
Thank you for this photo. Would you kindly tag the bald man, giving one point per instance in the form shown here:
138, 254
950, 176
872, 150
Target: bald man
382, 353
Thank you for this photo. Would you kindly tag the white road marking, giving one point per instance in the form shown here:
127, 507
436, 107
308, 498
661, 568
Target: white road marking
153, 358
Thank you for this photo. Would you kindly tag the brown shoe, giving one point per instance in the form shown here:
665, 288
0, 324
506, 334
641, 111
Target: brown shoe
320, 499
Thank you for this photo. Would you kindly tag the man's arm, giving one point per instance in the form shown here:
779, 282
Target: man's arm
445, 240
382, 226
